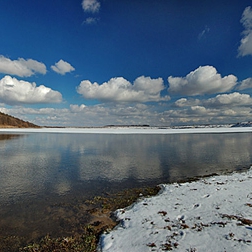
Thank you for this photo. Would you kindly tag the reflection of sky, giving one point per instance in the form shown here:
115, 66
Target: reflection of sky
122, 157
54, 163
211, 153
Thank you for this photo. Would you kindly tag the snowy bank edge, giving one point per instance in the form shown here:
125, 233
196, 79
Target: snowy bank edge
126, 130
230, 177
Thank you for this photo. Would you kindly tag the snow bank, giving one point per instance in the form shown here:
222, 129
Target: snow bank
213, 214
126, 130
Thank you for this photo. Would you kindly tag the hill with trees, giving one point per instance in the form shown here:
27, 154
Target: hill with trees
7, 121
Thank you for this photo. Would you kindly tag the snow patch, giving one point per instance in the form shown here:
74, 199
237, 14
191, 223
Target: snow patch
212, 214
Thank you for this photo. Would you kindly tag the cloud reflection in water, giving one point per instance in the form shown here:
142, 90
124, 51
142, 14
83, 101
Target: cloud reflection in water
46, 164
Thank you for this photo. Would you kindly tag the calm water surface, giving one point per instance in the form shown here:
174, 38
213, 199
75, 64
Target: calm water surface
42, 171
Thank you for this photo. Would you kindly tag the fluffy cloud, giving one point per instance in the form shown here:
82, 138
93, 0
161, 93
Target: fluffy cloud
222, 100
62, 67
223, 108
121, 113
231, 100
184, 102
203, 80
245, 84
76, 108
143, 89
13, 91
203, 115
82, 115
245, 47
91, 5
21, 67
199, 110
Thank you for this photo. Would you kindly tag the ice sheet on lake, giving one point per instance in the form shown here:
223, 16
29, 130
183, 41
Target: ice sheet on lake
127, 130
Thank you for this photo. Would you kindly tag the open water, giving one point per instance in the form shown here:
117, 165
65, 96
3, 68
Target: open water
42, 175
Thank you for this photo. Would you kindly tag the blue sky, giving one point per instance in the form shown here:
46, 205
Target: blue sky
99, 62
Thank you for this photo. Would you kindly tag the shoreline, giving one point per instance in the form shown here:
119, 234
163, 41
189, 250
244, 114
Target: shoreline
121, 130
101, 214
82, 237
112, 213
188, 217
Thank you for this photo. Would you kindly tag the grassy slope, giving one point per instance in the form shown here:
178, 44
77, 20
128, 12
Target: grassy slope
7, 121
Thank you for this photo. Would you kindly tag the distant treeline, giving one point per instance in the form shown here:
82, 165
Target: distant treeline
132, 125
243, 124
13, 122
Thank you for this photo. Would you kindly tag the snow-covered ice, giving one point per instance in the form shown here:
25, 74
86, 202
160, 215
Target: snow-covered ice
212, 214
127, 130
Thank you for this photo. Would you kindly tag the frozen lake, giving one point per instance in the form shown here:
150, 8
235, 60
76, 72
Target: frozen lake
42, 168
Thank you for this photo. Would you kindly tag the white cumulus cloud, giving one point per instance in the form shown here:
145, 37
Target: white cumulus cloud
62, 67
21, 67
245, 84
199, 110
203, 80
245, 47
91, 5
143, 89
231, 100
184, 102
76, 108
13, 91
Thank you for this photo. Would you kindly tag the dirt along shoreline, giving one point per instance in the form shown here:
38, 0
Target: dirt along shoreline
83, 235
188, 216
